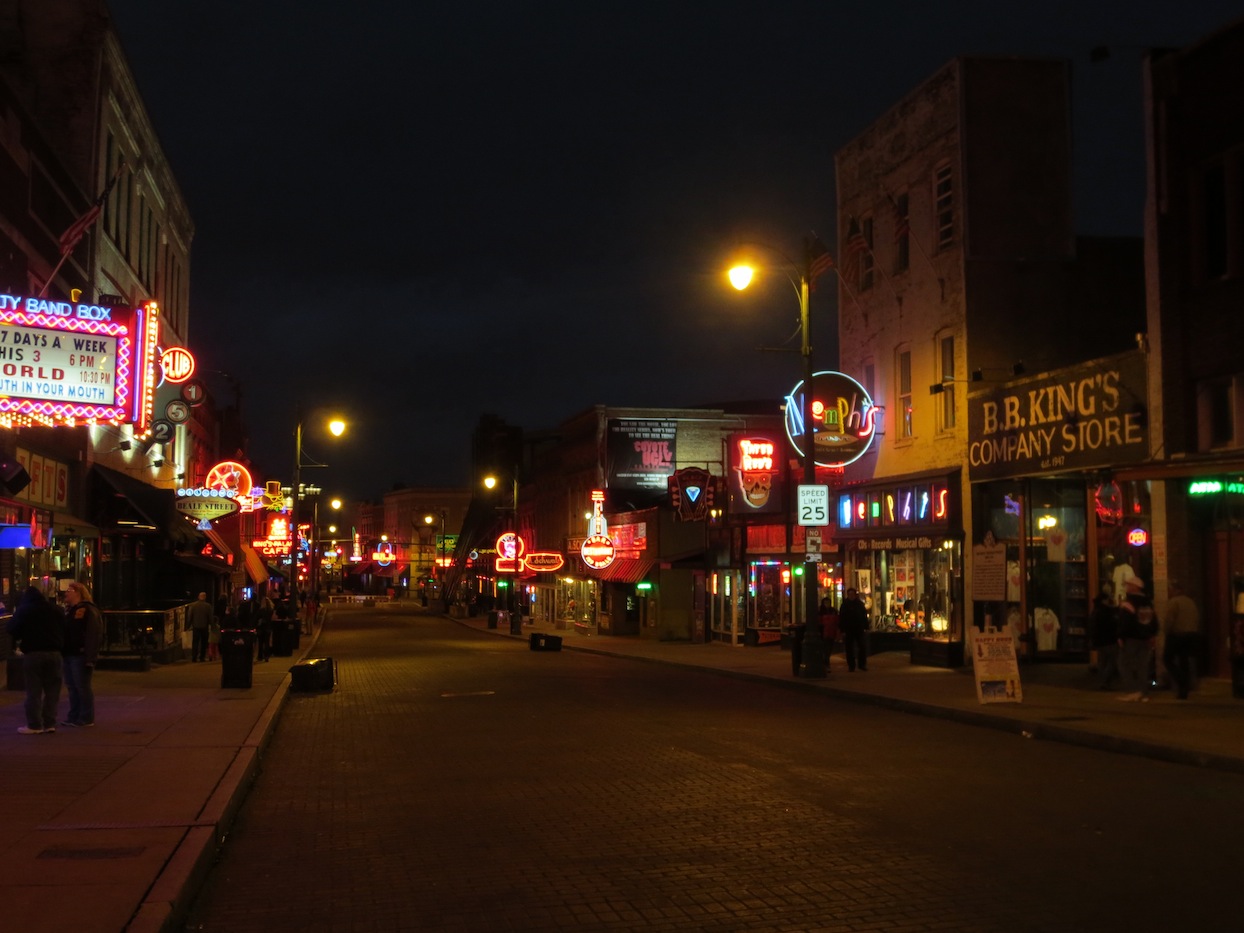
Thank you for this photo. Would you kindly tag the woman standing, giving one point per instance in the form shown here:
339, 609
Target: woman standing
84, 629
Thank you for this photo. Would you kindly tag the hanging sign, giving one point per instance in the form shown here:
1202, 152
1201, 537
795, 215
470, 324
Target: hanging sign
597, 551
205, 504
844, 419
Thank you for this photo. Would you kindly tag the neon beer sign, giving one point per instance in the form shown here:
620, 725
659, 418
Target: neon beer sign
843, 419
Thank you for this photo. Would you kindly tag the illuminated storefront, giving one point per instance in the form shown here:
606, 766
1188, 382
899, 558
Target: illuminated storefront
903, 553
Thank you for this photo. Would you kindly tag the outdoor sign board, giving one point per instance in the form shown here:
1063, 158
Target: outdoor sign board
844, 419
1083, 417
641, 453
205, 504
65, 363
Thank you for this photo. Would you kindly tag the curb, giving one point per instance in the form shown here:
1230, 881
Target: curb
168, 900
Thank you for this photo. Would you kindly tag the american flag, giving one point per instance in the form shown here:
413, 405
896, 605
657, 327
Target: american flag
819, 261
77, 230
856, 243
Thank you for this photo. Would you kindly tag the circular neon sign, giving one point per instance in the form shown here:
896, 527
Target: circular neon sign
844, 419
597, 551
231, 477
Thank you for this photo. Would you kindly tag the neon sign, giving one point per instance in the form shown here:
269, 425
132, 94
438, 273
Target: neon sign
1138, 537
177, 363
1209, 487
756, 466
232, 478
597, 551
201, 504
906, 505
843, 419
510, 551
545, 560
70, 364
278, 540
383, 554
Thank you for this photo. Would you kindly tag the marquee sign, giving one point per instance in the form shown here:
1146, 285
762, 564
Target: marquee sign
63, 363
844, 419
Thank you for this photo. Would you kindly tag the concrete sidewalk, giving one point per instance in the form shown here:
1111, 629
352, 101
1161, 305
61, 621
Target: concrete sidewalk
113, 828
1060, 700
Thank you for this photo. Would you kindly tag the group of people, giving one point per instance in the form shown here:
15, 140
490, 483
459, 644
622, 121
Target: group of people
59, 647
257, 614
1122, 634
850, 622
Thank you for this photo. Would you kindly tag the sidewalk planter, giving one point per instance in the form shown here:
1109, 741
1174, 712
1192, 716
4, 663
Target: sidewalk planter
314, 675
539, 641
933, 653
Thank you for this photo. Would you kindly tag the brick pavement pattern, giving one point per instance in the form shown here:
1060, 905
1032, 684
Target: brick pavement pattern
457, 782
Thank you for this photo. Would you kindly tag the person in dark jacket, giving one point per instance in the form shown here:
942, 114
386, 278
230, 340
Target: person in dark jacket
853, 623
37, 628
1137, 626
1104, 637
84, 630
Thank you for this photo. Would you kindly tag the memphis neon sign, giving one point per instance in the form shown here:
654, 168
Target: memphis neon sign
70, 364
844, 419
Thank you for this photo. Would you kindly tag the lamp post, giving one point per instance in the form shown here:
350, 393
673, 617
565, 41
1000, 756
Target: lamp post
815, 651
490, 482
439, 572
336, 427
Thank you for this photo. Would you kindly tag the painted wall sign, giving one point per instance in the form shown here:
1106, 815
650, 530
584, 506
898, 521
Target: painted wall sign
69, 364
843, 419
1079, 418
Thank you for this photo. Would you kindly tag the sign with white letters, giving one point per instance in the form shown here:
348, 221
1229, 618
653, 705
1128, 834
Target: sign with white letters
813, 502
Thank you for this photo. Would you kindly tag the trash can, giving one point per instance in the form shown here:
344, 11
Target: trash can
516, 623
282, 638
496, 617
237, 654
796, 648
313, 674
542, 642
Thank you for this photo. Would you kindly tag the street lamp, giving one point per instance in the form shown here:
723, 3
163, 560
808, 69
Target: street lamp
336, 427
815, 651
439, 572
491, 482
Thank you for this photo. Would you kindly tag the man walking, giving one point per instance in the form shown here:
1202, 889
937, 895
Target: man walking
1181, 626
199, 617
853, 623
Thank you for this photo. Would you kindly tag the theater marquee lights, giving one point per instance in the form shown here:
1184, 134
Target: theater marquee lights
70, 364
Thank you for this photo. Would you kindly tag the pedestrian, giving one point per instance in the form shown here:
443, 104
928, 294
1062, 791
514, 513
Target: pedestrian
1137, 626
84, 630
1104, 637
1181, 628
829, 628
199, 617
38, 631
213, 639
263, 626
853, 623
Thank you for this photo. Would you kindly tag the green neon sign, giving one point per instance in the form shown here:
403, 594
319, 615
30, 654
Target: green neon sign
1211, 487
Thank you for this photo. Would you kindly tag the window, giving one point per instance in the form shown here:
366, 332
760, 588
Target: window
870, 379
866, 254
902, 368
902, 234
946, 369
944, 208
1214, 221
1216, 414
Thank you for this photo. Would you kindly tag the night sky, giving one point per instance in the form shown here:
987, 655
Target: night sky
418, 213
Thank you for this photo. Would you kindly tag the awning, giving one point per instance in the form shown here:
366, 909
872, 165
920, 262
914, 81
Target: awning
393, 571
218, 542
123, 503
203, 563
624, 570
256, 569
361, 569
70, 526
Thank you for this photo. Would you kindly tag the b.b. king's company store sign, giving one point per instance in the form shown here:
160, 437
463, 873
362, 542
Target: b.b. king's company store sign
1079, 418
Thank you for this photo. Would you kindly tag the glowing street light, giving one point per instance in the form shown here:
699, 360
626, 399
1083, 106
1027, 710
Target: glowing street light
815, 651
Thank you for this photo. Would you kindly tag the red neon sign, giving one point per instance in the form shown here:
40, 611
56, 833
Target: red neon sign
177, 363
510, 551
597, 551
545, 560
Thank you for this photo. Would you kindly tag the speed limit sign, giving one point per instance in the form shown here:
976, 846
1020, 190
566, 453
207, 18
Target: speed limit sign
813, 502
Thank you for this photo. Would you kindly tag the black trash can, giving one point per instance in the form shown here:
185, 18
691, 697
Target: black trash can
541, 642
497, 617
237, 654
282, 638
796, 648
516, 623
313, 675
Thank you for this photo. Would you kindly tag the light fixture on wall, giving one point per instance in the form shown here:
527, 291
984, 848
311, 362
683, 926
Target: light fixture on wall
124, 445
158, 462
